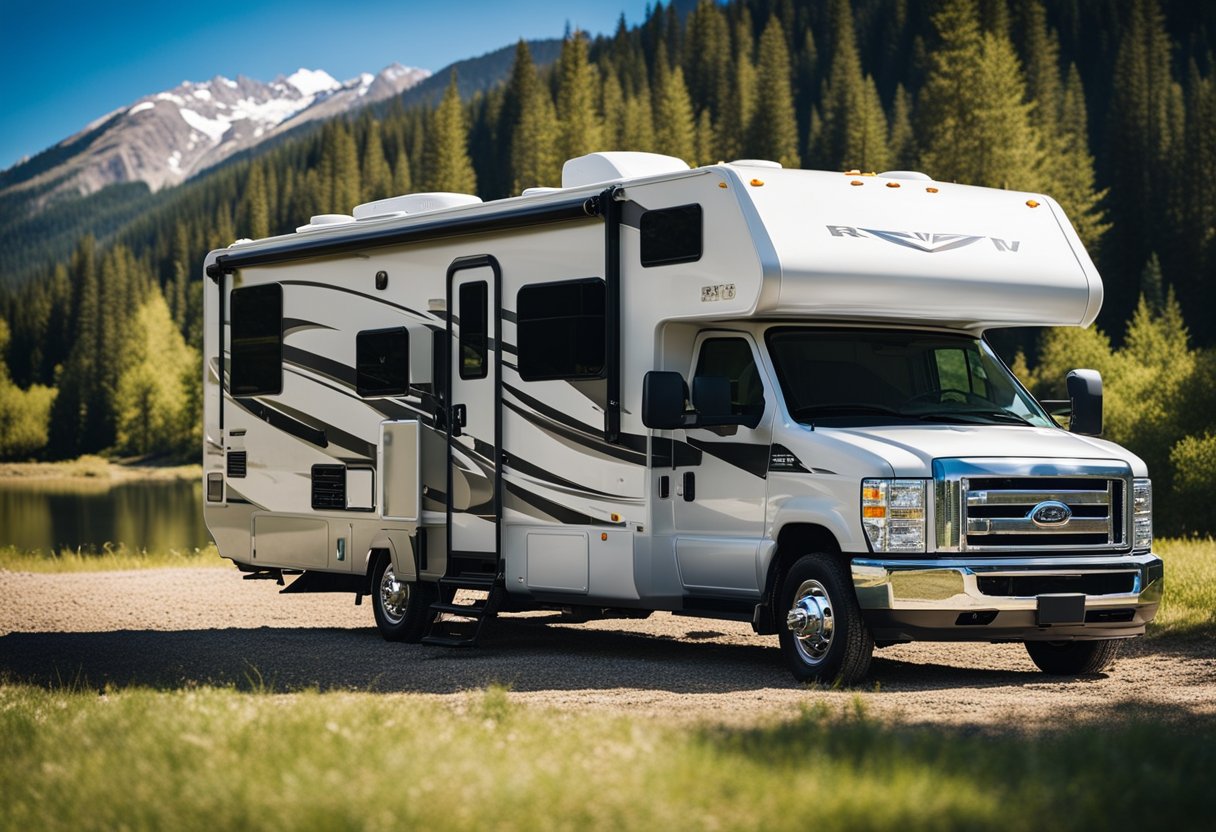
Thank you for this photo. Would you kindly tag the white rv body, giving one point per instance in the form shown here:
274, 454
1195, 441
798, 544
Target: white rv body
558, 491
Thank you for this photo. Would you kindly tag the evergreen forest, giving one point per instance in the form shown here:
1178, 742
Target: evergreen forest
1107, 105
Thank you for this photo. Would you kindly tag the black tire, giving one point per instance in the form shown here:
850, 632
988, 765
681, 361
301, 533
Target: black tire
838, 651
1073, 658
400, 619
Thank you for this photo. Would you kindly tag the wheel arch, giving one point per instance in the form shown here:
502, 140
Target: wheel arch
793, 541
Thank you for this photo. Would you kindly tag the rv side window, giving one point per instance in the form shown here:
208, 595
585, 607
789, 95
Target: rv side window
731, 358
671, 235
382, 361
561, 330
474, 329
257, 340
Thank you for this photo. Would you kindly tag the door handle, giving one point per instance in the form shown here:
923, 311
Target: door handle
460, 418
690, 486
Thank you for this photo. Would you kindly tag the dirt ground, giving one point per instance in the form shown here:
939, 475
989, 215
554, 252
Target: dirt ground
173, 628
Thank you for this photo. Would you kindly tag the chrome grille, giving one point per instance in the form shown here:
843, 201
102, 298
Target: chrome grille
1025, 505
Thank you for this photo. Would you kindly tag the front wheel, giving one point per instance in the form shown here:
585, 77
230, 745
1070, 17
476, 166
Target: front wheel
1073, 658
823, 638
401, 607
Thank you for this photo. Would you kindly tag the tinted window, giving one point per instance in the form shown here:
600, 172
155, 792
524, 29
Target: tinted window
257, 340
382, 361
731, 358
561, 330
474, 329
671, 235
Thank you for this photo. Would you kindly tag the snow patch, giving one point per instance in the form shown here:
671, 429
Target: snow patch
312, 81
228, 82
175, 161
139, 108
215, 128
168, 96
202, 94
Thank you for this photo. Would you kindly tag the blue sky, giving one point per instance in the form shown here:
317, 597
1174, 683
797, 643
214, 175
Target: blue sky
65, 64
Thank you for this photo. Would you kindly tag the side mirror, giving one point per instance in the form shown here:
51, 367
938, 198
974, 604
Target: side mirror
711, 397
1085, 393
663, 395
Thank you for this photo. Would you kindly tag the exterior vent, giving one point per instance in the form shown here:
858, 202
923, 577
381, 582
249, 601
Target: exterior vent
399, 206
236, 464
755, 163
595, 168
320, 222
329, 487
914, 175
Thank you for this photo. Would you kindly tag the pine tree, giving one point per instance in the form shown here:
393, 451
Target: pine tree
676, 133
612, 105
902, 140
448, 167
1070, 166
255, 210
774, 132
401, 173
735, 125
976, 122
707, 57
375, 176
577, 115
638, 125
537, 161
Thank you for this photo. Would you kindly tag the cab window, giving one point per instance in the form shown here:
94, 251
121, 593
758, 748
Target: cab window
732, 359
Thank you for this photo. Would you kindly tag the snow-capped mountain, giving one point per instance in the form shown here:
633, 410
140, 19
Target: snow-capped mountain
167, 137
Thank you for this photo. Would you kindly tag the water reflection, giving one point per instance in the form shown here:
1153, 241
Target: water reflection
53, 514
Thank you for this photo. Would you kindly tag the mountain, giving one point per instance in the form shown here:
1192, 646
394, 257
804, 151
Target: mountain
167, 137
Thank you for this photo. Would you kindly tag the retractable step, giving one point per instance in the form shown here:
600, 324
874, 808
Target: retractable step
456, 620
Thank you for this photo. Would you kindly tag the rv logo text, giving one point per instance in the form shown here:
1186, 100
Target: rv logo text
929, 243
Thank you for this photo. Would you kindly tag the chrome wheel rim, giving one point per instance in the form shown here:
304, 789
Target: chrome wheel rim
394, 596
811, 622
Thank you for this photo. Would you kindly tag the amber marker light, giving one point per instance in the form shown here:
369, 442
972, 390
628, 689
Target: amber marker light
756, 183
616, 518
721, 184
874, 511
931, 190
870, 493
857, 182
1032, 203
603, 535
892, 184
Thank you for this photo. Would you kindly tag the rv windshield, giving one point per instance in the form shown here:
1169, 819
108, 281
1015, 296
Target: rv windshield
867, 377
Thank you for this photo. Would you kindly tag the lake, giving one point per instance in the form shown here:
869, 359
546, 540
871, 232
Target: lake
52, 514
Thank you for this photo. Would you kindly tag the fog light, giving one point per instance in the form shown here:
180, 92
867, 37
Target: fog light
893, 514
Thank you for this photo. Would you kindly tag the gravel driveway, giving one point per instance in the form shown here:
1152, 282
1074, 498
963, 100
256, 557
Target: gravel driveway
171, 628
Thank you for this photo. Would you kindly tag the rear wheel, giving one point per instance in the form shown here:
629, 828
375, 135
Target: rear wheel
401, 607
1073, 658
823, 637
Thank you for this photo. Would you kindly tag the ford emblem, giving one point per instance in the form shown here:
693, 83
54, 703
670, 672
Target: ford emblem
1051, 513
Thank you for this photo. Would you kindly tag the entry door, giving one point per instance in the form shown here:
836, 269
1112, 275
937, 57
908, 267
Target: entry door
474, 425
720, 486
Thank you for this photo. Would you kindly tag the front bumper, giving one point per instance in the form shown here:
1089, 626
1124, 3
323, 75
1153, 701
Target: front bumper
1008, 599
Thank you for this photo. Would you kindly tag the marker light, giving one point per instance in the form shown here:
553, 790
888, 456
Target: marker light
756, 183
892, 184
1032, 203
893, 514
931, 190
856, 182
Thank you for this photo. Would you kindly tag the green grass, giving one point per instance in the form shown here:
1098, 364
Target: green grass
107, 559
219, 759
1188, 609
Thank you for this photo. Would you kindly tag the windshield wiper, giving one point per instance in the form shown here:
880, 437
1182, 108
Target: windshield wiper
845, 409
980, 416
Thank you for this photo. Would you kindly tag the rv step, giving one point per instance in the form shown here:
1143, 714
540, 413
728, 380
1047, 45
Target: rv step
477, 580
466, 610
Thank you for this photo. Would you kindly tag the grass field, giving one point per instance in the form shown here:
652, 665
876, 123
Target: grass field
219, 759
107, 559
1189, 607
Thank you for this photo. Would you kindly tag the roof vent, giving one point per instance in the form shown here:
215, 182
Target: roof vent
755, 163
322, 221
914, 175
539, 191
397, 206
595, 168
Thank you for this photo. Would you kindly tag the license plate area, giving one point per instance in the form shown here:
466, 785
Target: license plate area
1060, 608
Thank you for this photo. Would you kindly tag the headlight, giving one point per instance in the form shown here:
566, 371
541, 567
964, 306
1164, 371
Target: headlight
1142, 514
893, 514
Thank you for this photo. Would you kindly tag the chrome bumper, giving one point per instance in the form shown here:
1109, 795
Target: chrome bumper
941, 598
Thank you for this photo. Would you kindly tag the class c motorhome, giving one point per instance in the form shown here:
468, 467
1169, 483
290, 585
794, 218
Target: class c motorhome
735, 391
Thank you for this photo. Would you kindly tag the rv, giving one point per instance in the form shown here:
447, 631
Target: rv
735, 391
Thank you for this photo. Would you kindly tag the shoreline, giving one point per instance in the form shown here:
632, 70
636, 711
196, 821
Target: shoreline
95, 469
